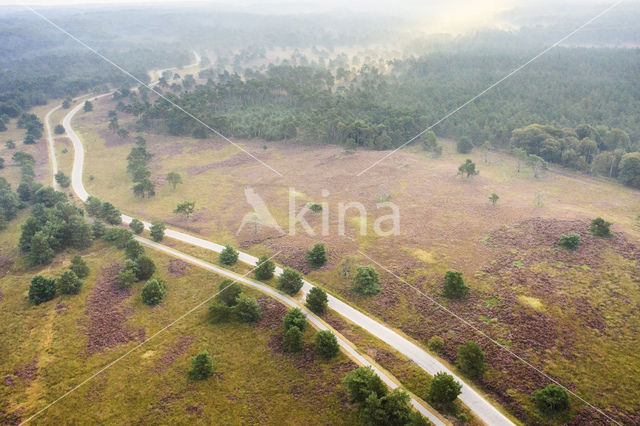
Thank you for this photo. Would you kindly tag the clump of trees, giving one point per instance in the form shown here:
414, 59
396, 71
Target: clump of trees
294, 323
317, 256
62, 179
33, 126
290, 281
231, 304
366, 280
104, 211
59, 129
454, 286
138, 167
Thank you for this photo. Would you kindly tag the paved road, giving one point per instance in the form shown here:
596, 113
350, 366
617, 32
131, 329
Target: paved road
479, 405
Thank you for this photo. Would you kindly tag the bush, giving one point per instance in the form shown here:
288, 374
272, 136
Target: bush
248, 309
317, 301
293, 340
551, 399
317, 256
366, 280
93, 206
133, 249
290, 281
471, 360
153, 292
42, 289
126, 278
326, 344
600, 227
228, 293
436, 343
201, 366
443, 389
119, 236
136, 226
69, 283
228, 256
110, 214
59, 129
264, 269
62, 179
454, 286
79, 267
315, 207
464, 145
294, 318
391, 408
98, 229
157, 231
144, 268
570, 241
363, 381
220, 312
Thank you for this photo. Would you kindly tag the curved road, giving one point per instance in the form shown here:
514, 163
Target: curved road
479, 405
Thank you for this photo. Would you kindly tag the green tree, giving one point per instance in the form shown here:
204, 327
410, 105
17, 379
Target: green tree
228, 256
69, 283
326, 344
494, 198
436, 343
248, 309
551, 399
40, 252
93, 206
294, 318
290, 281
228, 293
157, 231
126, 278
110, 214
186, 208
174, 179
366, 280
464, 145
570, 241
317, 256
144, 267
137, 226
59, 129
133, 249
600, 227
317, 300
471, 360
468, 168
629, 169
88, 106
454, 286
220, 312
153, 292
201, 366
429, 140
80, 232
42, 289
79, 267
362, 382
293, 340
98, 229
390, 409
264, 269
443, 389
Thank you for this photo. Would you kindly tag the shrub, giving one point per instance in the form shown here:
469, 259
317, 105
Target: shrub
93, 206
126, 278
317, 256
471, 360
144, 268
294, 318
220, 312
315, 207
42, 289
133, 249
551, 399
570, 241
443, 389
264, 269
110, 214
69, 283
79, 267
62, 179
600, 227
59, 129
153, 292
293, 340
363, 381
98, 229
392, 408
454, 286
157, 231
317, 301
201, 366
119, 236
468, 168
326, 344
366, 280
436, 343
228, 293
228, 256
137, 226
290, 281
248, 309
464, 145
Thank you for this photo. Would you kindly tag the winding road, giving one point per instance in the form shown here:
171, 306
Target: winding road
476, 402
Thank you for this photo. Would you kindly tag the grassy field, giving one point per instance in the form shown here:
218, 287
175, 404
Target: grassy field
570, 313
48, 349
